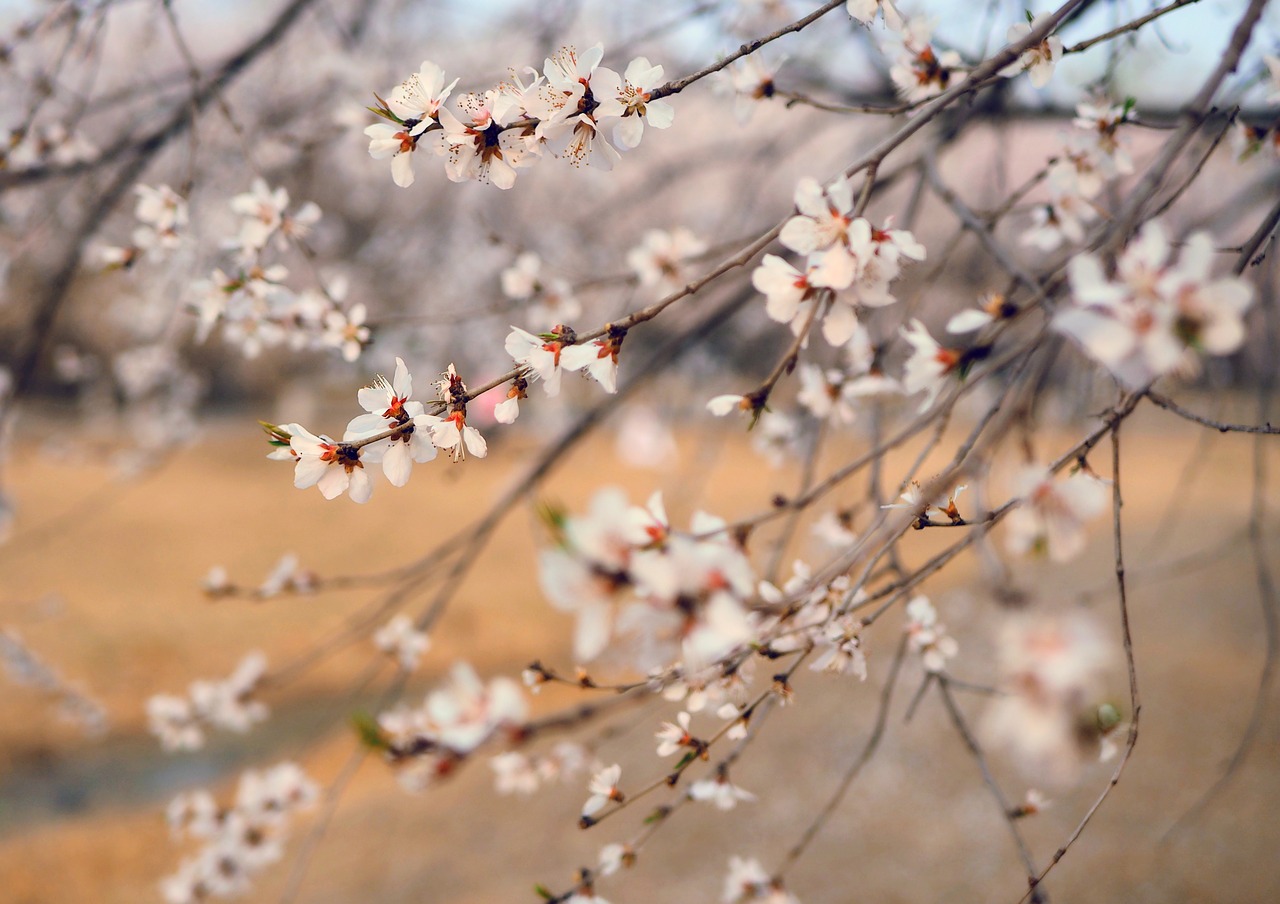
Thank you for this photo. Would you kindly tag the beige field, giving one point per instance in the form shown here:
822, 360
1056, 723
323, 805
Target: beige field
103, 583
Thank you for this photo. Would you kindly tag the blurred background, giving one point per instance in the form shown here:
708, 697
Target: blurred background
133, 463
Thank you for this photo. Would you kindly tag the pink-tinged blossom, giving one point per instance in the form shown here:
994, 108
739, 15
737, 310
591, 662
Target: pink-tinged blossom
334, 467
991, 308
264, 212
506, 411
174, 721
514, 773
1154, 315
747, 881
674, 736
723, 405
787, 291
401, 640
540, 354
751, 80
638, 82
230, 703
603, 789
394, 141
823, 216
929, 366
1038, 60
464, 712
1053, 673
481, 148
421, 95
598, 358
719, 791
286, 576
415, 106
578, 99
551, 298
389, 406
928, 636
345, 331
240, 840
613, 857
921, 72
658, 260
865, 12
1053, 513
453, 433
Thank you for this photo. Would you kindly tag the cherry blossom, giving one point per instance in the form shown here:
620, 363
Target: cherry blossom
1052, 516
579, 98
552, 299
541, 354
389, 406
453, 433
238, 841
786, 290
920, 71
345, 330
929, 366
927, 636
657, 260
748, 881
673, 736
265, 217
991, 308
1155, 314
400, 639
598, 358
719, 791
751, 80
865, 11
604, 790
481, 149
334, 467
1053, 668
723, 405
1037, 61
639, 80
613, 857
411, 108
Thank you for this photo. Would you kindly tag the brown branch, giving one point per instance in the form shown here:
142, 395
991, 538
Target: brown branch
855, 768
1127, 27
1170, 405
1135, 703
1006, 810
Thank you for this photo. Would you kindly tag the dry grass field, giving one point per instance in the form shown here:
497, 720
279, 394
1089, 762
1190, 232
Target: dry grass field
104, 585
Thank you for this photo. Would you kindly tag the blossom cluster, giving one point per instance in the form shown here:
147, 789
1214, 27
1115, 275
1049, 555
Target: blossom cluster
1051, 518
849, 262
395, 431
1154, 314
520, 773
1254, 138
251, 298
574, 109
237, 841
642, 592
181, 722
549, 299
162, 216
546, 356
1094, 155
429, 740
1053, 669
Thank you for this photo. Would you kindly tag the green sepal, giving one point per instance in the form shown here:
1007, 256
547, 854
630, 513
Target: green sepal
368, 731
